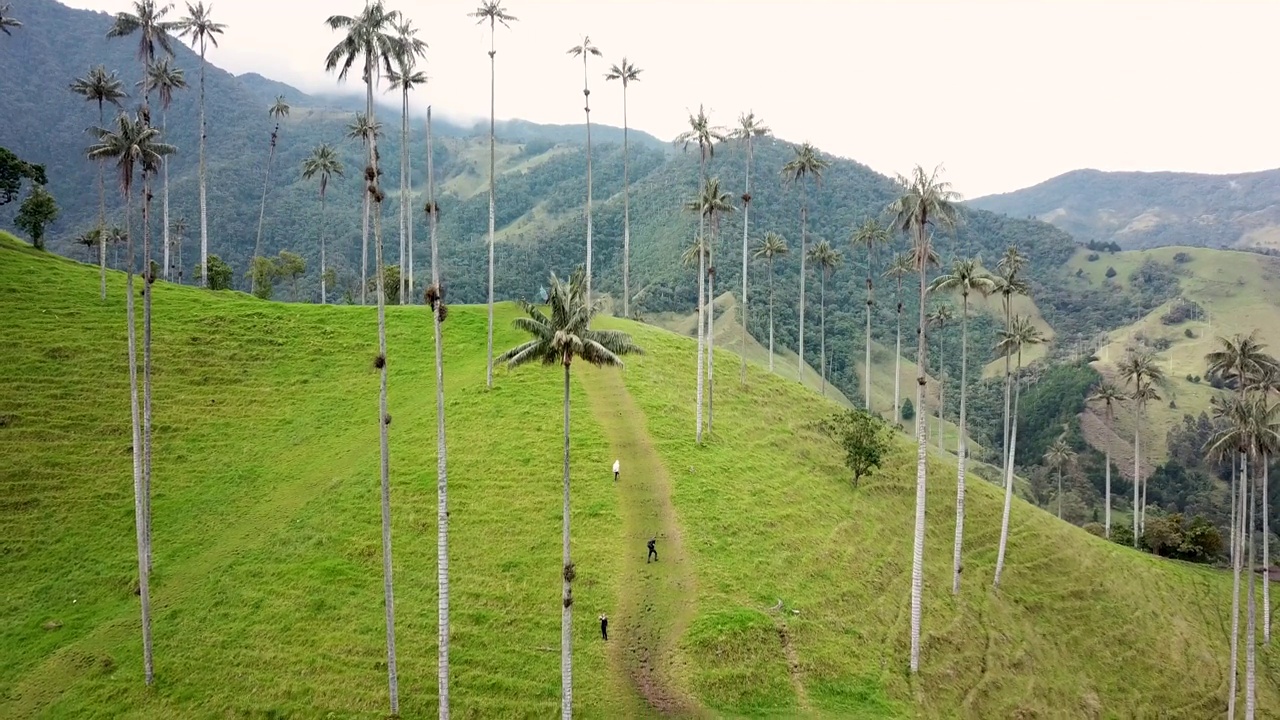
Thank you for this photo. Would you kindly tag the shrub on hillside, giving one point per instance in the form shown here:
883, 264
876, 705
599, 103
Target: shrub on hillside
908, 411
1093, 257
1182, 258
1111, 272
864, 439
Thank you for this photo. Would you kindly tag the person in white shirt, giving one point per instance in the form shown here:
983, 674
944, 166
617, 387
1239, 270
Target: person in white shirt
616, 467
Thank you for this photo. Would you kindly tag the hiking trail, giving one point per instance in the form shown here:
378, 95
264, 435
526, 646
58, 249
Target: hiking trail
656, 600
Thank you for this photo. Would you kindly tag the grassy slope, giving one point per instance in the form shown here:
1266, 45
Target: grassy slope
268, 563
1242, 294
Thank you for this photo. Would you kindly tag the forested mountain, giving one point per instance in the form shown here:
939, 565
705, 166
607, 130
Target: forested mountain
541, 195
1139, 210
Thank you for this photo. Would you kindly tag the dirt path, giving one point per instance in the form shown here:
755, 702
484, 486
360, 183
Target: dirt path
656, 600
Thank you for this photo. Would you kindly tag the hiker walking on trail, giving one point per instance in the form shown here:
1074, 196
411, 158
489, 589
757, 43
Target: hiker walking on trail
616, 466
653, 554
604, 627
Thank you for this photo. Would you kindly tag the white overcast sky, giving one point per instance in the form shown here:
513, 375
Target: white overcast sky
1004, 93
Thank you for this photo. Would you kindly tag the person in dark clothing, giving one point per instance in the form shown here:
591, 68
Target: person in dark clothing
604, 627
653, 554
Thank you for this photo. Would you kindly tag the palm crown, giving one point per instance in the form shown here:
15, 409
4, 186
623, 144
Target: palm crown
771, 246
806, 163
164, 78
279, 108
491, 11
100, 86
1241, 359
370, 35
324, 162
1109, 395
564, 334
199, 27
701, 133
926, 202
624, 71
360, 128
7, 20
711, 201
1021, 333
825, 257
147, 19
133, 144
749, 126
966, 276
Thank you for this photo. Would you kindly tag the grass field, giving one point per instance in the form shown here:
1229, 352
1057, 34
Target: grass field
781, 591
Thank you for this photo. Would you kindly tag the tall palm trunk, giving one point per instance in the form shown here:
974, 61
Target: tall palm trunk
324, 299
1059, 492
770, 314
383, 418
139, 508
493, 191
711, 319
102, 213
702, 299
566, 604
1234, 509
1237, 548
1251, 629
442, 473
922, 419
822, 328
586, 96
1137, 477
897, 363
746, 222
164, 194
364, 243
626, 211
804, 250
1008, 476
406, 279
1008, 389
1108, 492
1266, 555
204, 200
148, 279
942, 384
962, 442
866, 372
262, 212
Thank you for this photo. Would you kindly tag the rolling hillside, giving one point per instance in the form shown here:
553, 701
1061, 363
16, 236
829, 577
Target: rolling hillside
782, 589
1144, 210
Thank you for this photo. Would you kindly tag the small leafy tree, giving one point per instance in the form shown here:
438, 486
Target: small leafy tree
219, 273
262, 275
37, 211
291, 265
864, 439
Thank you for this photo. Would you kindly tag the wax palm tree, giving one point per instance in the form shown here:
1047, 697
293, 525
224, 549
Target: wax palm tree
492, 12
1022, 333
967, 277
1269, 383
559, 338
899, 268
163, 78
200, 28
148, 21
749, 128
870, 235
627, 73
177, 230
362, 129
1142, 371
585, 50
404, 79
709, 204
1009, 284
926, 202
133, 145
1110, 396
7, 20
1058, 456
825, 259
771, 247
279, 109
323, 163
806, 164
715, 203
939, 317
100, 87
370, 36
435, 300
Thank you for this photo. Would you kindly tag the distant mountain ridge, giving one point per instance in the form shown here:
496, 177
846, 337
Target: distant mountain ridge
1140, 210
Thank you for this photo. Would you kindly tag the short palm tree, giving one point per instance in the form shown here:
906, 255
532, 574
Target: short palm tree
7, 20
825, 259
363, 130
134, 145
899, 268
939, 317
749, 128
771, 247
627, 73
279, 109
435, 299
967, 277
101, 87
1142, 371
404, 79
926, 202
559, 337
492, 12
371, 36
1110, 396
586, 50
806, 164
164, 78
1058, 456
324, 164
202, 31
1022, 333
869, 235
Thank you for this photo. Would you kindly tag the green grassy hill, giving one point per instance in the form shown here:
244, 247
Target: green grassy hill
782, 590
